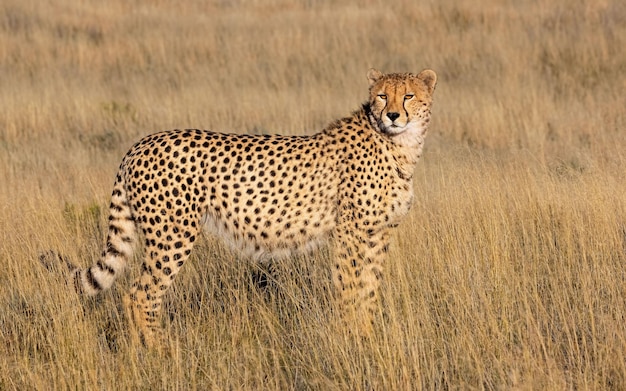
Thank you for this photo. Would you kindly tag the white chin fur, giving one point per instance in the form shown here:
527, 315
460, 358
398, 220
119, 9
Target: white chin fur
410, 135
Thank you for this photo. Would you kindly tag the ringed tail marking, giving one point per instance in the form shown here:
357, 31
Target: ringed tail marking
119, 246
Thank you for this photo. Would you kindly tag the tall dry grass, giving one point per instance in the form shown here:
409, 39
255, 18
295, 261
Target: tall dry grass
508, 273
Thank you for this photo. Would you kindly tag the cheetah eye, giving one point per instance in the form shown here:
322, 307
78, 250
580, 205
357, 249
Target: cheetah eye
382, 96
408, 96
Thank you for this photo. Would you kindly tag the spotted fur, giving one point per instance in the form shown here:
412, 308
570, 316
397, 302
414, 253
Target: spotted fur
269, 196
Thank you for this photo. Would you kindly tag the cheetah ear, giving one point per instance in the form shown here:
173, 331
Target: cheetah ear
373, 75
429, 77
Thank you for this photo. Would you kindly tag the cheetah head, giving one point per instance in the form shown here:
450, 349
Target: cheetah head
400, 103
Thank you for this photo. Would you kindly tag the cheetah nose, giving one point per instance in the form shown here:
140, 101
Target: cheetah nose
393, 116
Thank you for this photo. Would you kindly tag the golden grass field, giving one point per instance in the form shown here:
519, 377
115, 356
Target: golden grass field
508, 274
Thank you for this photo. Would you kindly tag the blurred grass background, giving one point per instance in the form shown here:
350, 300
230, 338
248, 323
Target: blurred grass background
508, 273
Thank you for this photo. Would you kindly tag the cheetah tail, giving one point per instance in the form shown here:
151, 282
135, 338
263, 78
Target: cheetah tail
118, 250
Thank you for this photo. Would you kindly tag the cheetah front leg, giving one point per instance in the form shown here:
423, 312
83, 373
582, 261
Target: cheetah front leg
357, 272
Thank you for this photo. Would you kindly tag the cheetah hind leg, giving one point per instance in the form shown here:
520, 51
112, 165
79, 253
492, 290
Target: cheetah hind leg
144, 300
264, 275
142, 310
140, 333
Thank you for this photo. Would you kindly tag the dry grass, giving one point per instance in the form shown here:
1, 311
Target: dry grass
509, 273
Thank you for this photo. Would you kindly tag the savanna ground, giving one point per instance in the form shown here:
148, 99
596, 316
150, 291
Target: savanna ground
508, 274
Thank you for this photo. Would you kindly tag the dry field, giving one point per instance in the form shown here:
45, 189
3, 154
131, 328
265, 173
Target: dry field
508, 274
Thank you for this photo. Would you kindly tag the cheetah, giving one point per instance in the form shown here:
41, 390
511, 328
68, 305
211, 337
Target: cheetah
269, 197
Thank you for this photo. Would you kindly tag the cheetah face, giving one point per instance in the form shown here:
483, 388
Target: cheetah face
400, 103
